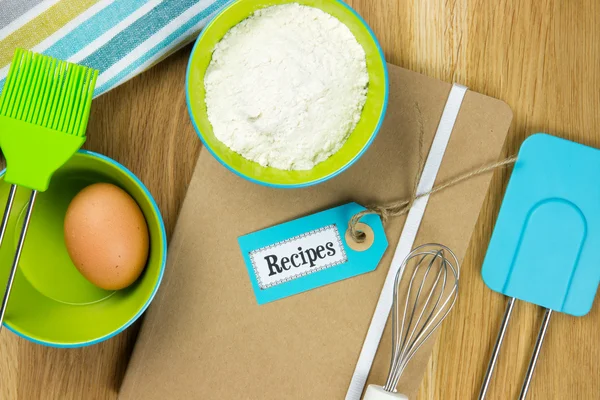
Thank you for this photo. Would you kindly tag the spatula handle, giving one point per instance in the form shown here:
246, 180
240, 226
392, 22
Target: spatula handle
536, 353
13, 269
494, 359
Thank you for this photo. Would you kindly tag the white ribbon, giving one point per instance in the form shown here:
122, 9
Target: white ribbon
406, 242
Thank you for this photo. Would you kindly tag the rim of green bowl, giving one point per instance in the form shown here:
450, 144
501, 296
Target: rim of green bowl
163, 234
303, 184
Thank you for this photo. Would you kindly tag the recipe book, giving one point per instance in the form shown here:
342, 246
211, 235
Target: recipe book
206, 337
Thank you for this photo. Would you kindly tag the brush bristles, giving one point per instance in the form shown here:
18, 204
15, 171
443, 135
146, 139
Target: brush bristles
48, 92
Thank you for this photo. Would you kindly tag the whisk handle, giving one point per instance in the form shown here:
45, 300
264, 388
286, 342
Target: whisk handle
375, 392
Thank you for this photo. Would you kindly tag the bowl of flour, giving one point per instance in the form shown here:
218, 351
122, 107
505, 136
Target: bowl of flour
287, 93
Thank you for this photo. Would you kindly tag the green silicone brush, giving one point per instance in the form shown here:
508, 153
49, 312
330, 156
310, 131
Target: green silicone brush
44, 110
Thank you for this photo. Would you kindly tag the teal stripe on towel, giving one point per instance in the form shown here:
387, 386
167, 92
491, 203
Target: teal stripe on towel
90, 30
136, 33
204, 15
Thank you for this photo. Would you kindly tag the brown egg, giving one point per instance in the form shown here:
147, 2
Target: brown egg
106, 236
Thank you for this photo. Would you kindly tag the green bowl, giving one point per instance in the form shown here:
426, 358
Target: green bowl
51, 302
358, 141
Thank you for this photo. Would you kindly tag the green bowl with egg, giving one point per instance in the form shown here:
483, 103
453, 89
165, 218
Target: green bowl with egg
358, 140
51, 302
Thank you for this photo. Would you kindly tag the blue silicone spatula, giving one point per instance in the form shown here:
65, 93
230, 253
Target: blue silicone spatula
544, 248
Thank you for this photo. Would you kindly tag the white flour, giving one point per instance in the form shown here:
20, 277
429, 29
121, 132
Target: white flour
286, 86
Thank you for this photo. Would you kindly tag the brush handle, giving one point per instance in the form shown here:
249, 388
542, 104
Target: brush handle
375, 392
13, 269
7, 209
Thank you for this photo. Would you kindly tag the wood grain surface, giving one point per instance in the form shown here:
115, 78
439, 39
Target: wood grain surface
542, 57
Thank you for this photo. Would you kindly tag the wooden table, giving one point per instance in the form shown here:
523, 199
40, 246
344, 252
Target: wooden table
542, 57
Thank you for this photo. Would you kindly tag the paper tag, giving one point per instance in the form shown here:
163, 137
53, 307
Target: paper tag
310, 252
299, 256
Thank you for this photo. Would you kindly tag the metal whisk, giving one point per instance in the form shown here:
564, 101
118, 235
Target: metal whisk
431, 293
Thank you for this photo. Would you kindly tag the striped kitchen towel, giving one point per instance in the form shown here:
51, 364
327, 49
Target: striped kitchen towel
120, 38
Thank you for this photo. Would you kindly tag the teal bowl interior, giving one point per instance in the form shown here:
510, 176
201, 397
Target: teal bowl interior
358, 141
51, 303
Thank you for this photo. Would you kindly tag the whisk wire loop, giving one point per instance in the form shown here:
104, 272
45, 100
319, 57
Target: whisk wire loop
408, 335
425, 306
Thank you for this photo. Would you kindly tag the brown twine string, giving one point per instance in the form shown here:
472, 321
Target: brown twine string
401, 207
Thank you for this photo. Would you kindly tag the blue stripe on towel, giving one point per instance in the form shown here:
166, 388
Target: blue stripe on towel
93, 28
203, 15
127, 40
